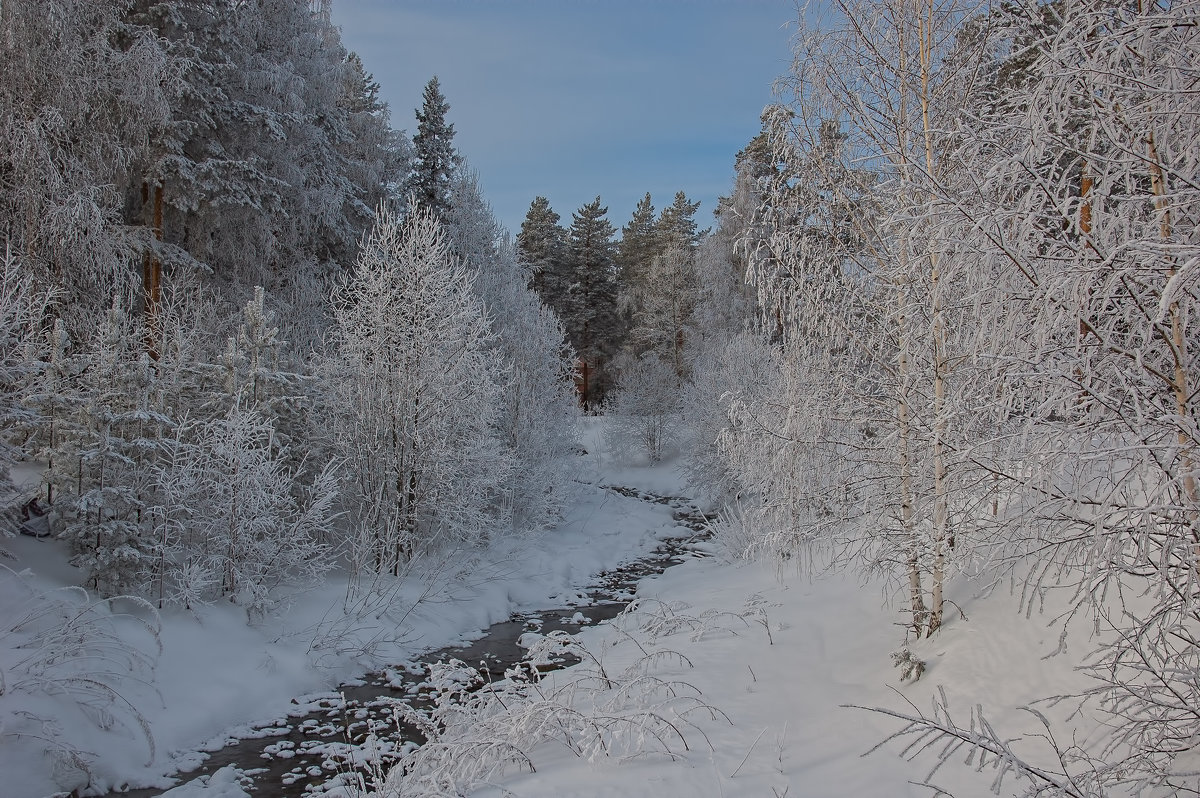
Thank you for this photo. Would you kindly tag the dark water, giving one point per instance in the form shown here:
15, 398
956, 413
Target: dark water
324, 734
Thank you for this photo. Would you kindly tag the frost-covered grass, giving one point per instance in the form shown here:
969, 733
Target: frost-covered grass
769, 664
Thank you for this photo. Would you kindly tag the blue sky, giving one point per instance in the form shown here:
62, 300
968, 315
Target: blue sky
574, 98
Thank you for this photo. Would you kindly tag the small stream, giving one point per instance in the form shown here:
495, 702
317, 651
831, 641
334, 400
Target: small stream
323, 734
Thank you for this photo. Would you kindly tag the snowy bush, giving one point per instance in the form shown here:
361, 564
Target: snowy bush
229, 523
476, 731
21, 311
643, 412
737, 370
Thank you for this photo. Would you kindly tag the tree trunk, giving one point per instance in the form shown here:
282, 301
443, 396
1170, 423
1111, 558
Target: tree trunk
152, 271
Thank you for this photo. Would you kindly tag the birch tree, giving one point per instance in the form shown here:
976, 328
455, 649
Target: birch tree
864, 288
1086, 162
413, 394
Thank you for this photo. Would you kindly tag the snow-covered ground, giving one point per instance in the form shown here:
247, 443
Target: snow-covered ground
788, 730
771, 657
217, 672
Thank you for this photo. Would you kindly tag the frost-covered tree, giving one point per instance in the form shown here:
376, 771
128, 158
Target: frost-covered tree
658, 283
102, 472
643, 409
538, 413
974, 255
275, 155
739, 371
255, 374
22, 312
413, 395
872, 297
663, 318
83, 91
1084, 211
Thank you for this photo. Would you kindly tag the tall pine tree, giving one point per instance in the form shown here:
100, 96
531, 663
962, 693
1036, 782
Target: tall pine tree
677, 224
436, 158
639, 242
592, 321
541, 246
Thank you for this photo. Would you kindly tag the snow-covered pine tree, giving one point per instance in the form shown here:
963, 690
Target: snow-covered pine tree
276, 154
103, 472
436, 160
659, 288
254, 376
84, 89
53, 400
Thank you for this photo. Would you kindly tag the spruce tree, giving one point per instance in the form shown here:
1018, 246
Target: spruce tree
436, 158
592, 321
639, 242
541, 246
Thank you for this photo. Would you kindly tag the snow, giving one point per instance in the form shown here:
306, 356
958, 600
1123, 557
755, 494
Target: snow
218, 673
789, 729
784, 693
224, 783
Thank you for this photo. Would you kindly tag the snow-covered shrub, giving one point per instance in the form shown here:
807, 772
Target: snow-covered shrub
476, 731
229, 523
724, 373
63, 669
21, 310
643, 413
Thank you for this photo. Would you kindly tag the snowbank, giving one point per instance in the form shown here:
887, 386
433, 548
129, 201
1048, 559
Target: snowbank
219, 673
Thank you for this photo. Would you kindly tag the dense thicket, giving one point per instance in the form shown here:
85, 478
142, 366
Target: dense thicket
972, 234
252, 332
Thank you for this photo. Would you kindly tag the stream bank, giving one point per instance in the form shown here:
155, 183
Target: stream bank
326, 735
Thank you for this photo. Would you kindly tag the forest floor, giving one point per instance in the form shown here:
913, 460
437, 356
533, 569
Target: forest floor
772, 658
